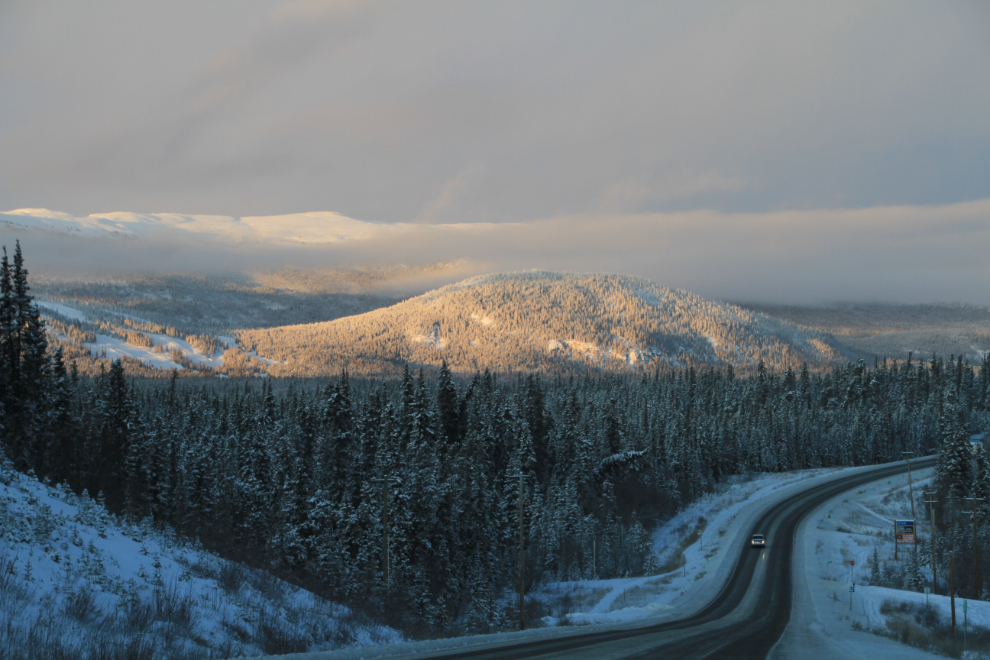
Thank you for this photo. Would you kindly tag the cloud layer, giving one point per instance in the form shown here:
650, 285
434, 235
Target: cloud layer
473, 111
894, 253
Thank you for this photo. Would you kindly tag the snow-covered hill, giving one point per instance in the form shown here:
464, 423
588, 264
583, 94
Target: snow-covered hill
76, 582
300, 228
545, 321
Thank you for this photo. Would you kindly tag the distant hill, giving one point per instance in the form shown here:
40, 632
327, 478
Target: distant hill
897, 330
551, 322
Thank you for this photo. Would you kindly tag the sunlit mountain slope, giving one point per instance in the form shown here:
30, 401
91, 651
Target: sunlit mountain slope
553, 322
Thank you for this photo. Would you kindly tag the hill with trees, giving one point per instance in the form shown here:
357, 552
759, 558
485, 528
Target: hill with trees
546, 322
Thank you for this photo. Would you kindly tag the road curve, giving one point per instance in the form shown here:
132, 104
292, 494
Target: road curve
744, 620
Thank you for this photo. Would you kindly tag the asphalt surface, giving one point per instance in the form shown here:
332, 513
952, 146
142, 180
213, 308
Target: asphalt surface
744, 620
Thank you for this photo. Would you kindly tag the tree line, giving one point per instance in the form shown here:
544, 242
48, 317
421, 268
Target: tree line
295, 476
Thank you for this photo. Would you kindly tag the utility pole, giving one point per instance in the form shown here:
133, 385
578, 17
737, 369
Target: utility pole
931, 507
976, 546
907, 457
952, 594
385, 545
594, 556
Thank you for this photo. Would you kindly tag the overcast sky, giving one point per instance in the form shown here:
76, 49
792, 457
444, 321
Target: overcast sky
562, 113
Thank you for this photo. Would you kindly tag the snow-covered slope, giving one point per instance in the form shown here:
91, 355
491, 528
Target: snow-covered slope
114, 347
304, 228
78, 582
545, 321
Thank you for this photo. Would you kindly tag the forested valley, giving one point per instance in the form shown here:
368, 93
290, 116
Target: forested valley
314, 480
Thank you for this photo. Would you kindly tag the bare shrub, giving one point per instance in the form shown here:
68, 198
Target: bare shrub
562, 606
268, 586
11, 587
227, 649
173, 607
236, 629
204, 570
139, 615
276, 637
81, 605
231, 576
112, 645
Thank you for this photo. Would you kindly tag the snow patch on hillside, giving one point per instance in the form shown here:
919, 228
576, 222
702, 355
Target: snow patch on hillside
114, 348
196, 356
78, 582
61, 310
433, 338
161, 358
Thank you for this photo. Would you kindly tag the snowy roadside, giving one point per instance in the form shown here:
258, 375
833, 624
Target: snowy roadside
829, 622
77, 581
709, 550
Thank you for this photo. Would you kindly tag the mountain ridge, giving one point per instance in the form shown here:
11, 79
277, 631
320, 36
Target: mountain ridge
545, 321
310, 228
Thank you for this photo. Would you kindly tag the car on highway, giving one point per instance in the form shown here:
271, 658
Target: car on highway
758, 541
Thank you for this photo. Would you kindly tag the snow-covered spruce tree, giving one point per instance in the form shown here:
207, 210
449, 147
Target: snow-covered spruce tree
954, 474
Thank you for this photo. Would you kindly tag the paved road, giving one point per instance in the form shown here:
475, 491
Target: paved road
744, 620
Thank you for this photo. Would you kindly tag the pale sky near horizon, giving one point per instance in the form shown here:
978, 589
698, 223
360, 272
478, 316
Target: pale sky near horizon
461, 111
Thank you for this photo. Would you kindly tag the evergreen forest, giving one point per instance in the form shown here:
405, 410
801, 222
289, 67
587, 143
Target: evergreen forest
403, 496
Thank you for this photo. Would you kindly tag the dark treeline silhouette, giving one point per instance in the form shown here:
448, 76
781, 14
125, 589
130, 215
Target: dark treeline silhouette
295, 480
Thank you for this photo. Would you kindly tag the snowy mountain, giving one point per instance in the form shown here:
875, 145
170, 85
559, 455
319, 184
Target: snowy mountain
78, 582
299, 228
555, 322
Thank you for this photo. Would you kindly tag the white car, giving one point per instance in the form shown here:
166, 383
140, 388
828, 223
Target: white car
758, 541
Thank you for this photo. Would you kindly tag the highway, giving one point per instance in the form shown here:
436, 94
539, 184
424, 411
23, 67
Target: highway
744, 620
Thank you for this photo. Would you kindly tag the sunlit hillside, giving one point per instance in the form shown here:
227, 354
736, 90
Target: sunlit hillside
552, 322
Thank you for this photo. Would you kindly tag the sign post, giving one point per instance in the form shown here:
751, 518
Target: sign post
907, 457
931, 506
903, 533
852, 590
